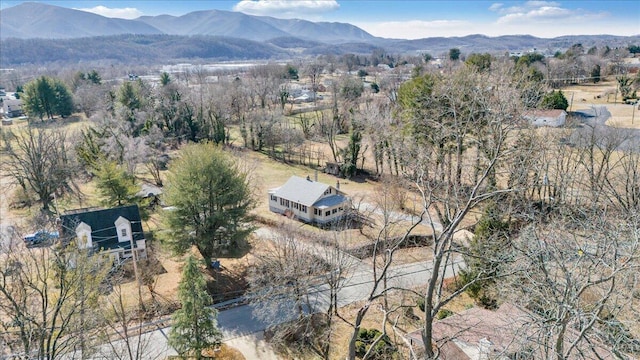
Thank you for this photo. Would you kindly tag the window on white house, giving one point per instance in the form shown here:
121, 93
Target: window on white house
274, 198
334, 211
303, 208
327, 213
123, 232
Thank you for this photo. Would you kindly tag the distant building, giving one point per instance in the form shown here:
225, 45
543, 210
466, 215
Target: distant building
309, 201
116, 231
552, 118
333, 168
12, 107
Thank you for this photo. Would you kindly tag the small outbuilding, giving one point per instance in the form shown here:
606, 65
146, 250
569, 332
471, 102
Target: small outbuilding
552, 118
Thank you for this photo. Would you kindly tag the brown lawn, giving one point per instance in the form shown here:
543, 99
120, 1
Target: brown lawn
586, 95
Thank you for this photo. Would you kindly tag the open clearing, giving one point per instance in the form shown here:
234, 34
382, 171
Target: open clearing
586, 95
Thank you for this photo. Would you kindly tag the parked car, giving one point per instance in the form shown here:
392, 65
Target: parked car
41, 236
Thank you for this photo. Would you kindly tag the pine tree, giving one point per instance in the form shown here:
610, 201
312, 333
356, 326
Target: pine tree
195, 325
212, 198
46, 97
116, 186
554, 100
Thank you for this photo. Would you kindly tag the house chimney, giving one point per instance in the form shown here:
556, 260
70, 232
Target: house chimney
315, 176
338, 184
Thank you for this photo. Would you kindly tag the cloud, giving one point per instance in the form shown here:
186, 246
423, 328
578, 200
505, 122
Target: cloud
286, 8
496, 6
541, 12
122, 13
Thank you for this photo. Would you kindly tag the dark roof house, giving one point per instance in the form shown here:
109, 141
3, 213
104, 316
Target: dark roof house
116, 231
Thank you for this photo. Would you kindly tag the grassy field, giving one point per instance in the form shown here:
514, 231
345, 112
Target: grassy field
604, 93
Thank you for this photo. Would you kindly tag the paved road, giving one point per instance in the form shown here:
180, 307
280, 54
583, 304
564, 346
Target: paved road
395, 216
244, 332
595, 120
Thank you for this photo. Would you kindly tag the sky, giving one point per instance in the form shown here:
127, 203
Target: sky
406, 19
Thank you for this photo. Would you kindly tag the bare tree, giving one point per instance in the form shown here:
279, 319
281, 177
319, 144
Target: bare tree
281, 288
573, 275
314, 70
451, 186
265, 83
341, 266
124, 331
48, 298
40, 161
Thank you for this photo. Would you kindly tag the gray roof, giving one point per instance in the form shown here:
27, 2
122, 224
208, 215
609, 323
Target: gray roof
301, 190
330, 201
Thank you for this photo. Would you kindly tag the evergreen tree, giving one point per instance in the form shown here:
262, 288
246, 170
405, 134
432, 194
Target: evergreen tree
63, 104
454, 54
94, 77
165, 79
482, 62
195, 325
554, 100
116, 186
485, 256
212, 200
595, 74
48, 97
352, 152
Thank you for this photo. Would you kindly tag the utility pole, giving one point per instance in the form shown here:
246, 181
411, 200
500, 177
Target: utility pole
135, 268
571, 105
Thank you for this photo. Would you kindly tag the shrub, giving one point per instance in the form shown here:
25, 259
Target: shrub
555, 100
383, 349
444, 313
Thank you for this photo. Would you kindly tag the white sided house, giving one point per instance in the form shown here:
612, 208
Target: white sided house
553, 118
309, 201
116, 231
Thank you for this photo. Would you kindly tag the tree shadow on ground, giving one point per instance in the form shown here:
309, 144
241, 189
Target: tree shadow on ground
226, 283
54, 123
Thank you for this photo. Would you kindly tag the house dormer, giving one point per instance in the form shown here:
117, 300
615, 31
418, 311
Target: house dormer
123, 228
83, 234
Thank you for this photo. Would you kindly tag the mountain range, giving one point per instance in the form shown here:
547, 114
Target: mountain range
37, 33
37, 20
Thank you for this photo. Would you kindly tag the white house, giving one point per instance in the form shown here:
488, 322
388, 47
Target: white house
309, 201
553, 118
12, 107
116, 231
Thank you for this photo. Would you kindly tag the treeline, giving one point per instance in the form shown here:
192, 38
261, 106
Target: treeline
133, 49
